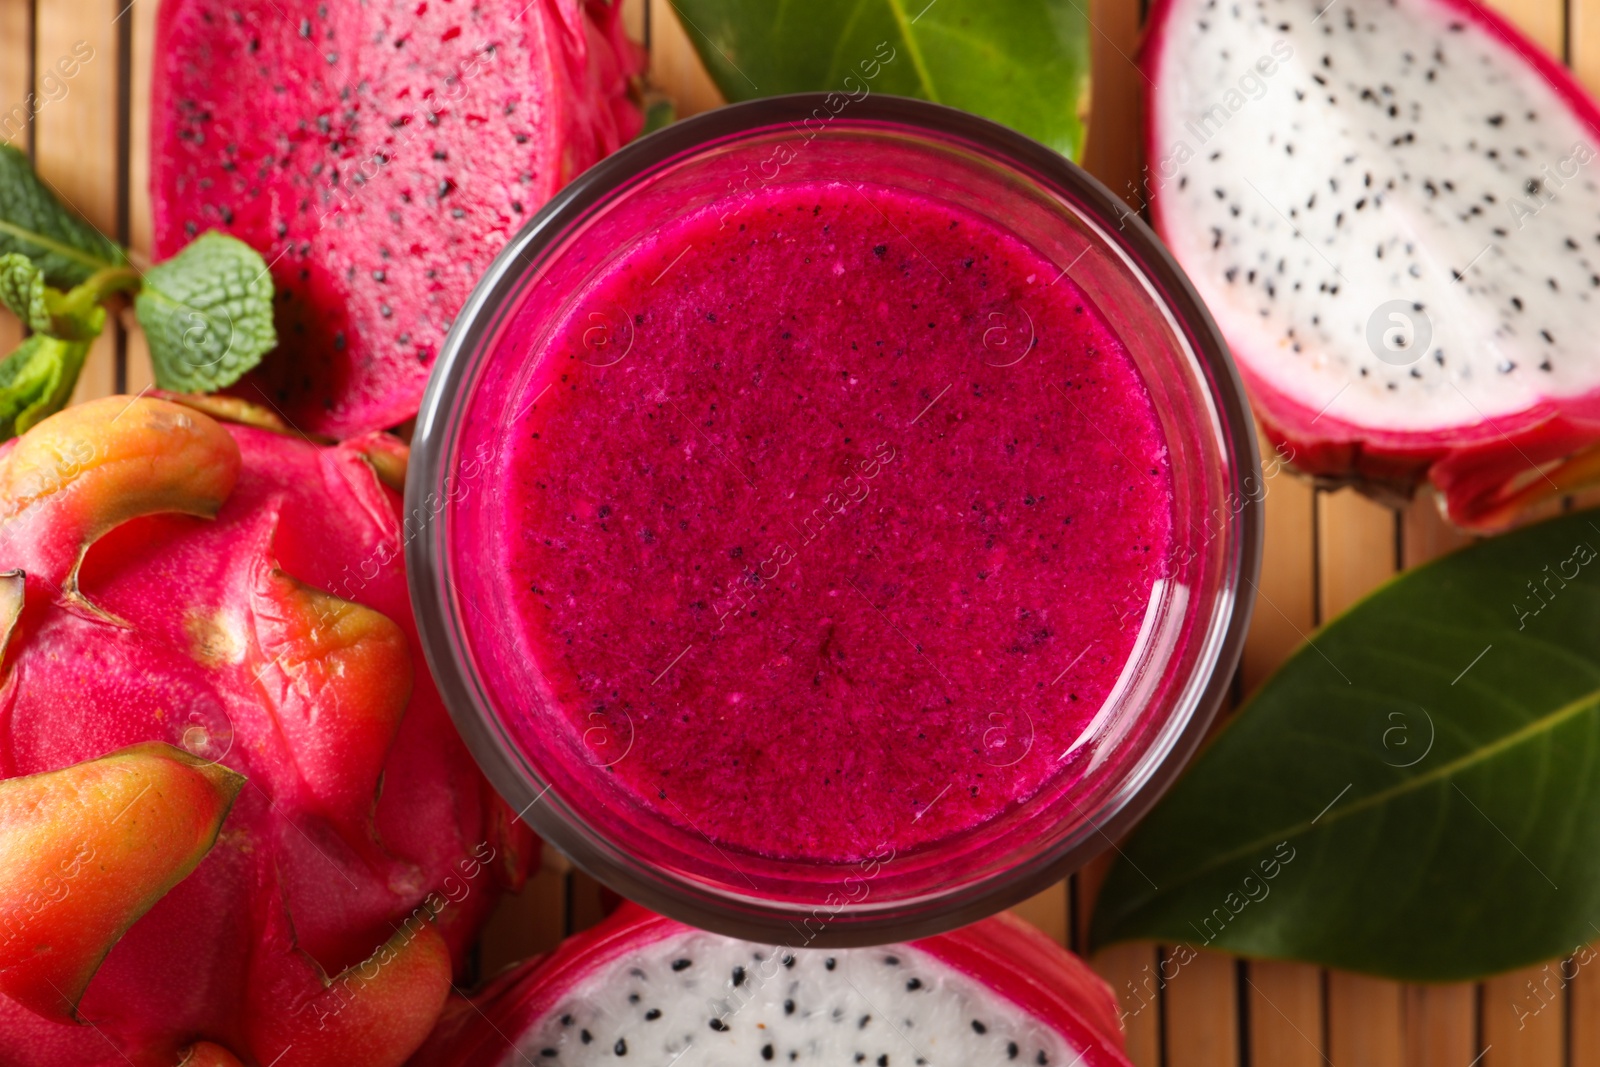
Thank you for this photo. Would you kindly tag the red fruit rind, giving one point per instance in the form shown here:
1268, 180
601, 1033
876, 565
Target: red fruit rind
86, 850
337, 677
88, 469
276, 637
373, 1014
1486, 474
1004, 954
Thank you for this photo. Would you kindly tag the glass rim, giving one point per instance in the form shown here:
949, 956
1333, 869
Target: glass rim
450, 388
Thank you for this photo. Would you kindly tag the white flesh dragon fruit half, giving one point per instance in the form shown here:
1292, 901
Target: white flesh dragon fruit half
1392, 208
641, 988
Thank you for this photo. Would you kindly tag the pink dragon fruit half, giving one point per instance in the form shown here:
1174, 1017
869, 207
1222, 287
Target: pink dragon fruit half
1392, 209
233, 809
642, 987
377, 154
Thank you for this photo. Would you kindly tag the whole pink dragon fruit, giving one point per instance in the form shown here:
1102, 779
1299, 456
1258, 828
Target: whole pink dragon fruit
378, 154
234, 814
1390, 207
653, 990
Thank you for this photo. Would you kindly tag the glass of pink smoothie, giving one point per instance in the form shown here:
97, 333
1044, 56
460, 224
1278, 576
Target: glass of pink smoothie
833, 520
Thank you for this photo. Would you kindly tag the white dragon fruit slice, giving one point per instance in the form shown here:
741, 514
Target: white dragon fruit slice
641, 988
1392, 209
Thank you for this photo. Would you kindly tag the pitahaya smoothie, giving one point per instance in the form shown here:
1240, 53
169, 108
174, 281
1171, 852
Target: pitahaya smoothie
832, 517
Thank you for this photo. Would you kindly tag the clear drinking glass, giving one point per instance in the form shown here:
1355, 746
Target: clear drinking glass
1191, 633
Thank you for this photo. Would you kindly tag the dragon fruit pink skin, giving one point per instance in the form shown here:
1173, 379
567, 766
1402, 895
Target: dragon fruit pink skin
378, 155
1000, 988
1503, 408
276, 640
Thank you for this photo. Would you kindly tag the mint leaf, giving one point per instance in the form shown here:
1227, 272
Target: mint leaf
36, 380
33, 222
207, 313
22, 290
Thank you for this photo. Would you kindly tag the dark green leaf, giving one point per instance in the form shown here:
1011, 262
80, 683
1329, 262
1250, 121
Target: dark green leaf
207, 313
1430, 764
36, 380
36, 224
1024, 63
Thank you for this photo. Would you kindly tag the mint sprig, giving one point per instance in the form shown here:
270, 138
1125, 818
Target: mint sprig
206, 312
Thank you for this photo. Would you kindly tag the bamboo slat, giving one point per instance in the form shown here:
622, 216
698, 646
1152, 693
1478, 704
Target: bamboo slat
16, 98
1114, 150
136, 373
1134, 972
1365, 1021
1285, 1013
1285, 609
1584, 1003
1201, 1004
1524, 1018
75, 138
1440, 1025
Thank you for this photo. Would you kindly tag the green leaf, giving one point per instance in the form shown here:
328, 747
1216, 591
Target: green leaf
36, 224
22, 289
74, 316
1430, 762
1024, 63
207, 313
36, 381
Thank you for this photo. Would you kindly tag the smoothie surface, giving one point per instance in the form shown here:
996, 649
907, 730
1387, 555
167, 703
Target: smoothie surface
832, 513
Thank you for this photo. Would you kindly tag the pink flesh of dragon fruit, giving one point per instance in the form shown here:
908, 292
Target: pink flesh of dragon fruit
378, 155
1391, 209
652, 989
276, 641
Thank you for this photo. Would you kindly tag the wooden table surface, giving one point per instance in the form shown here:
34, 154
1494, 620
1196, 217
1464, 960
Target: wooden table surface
1324, 549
